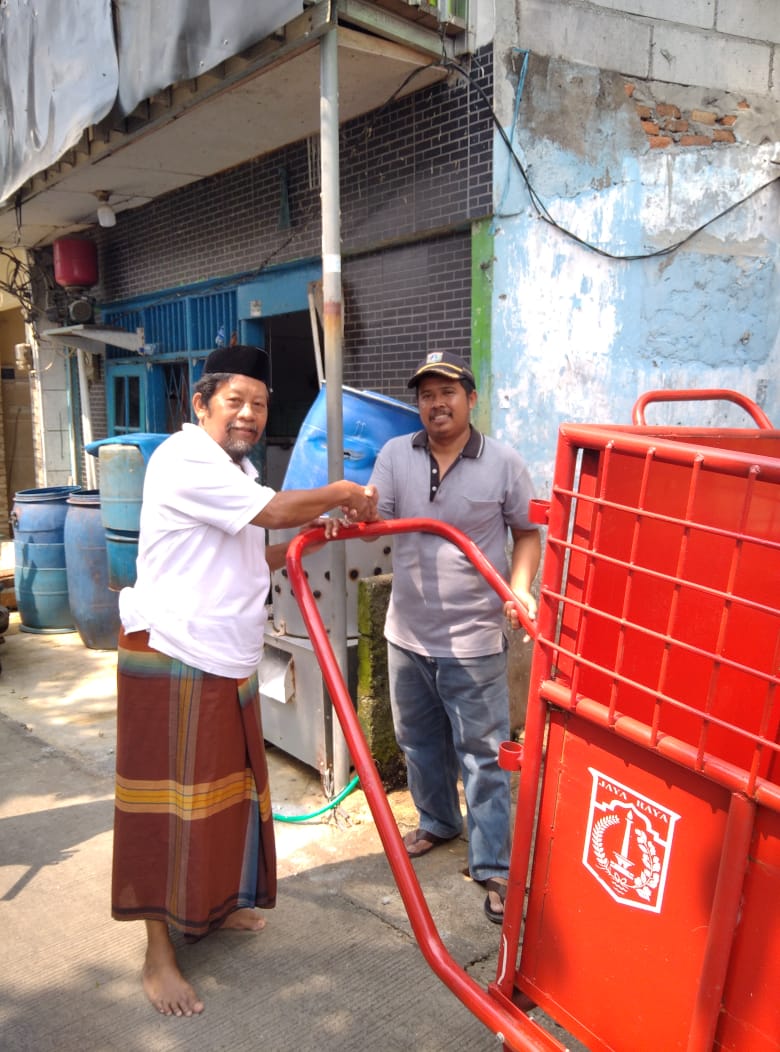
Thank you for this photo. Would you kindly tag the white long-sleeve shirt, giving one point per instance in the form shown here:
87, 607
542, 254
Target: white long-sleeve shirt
202, 576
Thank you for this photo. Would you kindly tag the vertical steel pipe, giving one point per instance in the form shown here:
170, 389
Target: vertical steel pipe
333, 330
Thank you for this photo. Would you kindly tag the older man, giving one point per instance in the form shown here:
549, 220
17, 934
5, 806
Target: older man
446, 646
193, 838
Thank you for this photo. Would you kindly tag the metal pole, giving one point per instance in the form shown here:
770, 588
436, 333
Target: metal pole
332, 312
86, 417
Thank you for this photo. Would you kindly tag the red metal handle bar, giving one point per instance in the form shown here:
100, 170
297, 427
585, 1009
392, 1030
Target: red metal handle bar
701, 395
685, 453
514, 1027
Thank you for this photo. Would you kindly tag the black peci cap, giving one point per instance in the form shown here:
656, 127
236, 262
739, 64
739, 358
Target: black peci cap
248, 361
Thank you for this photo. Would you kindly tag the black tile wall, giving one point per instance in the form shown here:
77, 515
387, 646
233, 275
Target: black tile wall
413, 176
401, 303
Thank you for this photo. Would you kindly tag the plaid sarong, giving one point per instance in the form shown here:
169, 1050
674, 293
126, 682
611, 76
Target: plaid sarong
193, 830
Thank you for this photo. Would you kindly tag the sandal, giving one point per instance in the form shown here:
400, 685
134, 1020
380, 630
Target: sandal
498, 886
419, 842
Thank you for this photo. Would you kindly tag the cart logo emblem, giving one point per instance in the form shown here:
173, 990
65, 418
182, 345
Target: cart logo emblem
628, 843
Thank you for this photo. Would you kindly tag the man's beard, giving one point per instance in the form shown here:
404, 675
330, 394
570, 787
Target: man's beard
238, 448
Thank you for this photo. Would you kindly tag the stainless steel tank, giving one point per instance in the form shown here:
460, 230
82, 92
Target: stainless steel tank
364, 559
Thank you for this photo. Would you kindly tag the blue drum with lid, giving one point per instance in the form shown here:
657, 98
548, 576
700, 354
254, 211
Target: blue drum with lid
94, 606
40, 579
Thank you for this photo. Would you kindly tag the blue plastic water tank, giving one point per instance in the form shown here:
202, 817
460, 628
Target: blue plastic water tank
123, 461
370, 419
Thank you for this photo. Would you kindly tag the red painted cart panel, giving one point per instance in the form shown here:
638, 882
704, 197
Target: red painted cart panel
646, 892
652, 919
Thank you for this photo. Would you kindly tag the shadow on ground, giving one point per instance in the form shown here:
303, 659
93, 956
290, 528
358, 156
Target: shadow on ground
335, 969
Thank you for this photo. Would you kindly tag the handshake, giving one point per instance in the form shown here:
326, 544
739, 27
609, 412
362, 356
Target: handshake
360, 504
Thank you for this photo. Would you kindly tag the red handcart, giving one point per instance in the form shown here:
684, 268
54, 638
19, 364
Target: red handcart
645, 869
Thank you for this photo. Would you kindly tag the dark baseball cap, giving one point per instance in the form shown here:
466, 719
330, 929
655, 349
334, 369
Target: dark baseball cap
443, 363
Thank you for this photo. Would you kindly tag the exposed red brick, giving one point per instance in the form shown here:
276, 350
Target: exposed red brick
676, 126
643, 112
704, 116
743, 104
650, 127
666, 109
629, 89
728, 121
659, 142
695, 140
723, 135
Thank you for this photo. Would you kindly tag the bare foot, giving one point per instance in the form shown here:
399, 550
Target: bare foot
163, 983
244, 920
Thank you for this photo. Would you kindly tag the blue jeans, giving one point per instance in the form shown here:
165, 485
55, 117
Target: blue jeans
450, 716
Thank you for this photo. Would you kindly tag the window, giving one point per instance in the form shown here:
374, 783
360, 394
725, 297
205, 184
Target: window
126, 401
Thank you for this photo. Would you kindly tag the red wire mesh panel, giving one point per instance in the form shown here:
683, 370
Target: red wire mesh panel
652, 918
670, 612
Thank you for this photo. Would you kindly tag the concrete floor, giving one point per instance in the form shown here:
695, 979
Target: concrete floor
337, 967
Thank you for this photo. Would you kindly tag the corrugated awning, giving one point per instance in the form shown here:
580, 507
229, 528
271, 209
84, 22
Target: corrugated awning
93, 338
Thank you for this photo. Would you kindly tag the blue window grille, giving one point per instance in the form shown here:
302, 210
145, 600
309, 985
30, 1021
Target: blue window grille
178, 332
213, 317
188, 323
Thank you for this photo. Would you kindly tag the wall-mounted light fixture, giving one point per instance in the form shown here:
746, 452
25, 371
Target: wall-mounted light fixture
23, 357
106, 216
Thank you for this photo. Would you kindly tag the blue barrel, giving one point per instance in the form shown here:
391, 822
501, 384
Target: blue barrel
121, 553
40, 579
123, 462
94, 606
370, 419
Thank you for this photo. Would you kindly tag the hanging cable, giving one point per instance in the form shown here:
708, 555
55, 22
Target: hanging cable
544, 214
539, 206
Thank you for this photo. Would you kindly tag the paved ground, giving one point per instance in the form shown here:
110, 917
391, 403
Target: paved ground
335, 969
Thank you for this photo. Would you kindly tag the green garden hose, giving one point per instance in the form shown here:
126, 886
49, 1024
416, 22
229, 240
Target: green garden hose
328, 807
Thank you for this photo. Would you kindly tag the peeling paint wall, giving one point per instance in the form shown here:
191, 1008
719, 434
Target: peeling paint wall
620, 163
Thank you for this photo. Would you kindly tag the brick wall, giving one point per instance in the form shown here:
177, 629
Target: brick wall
666, 124
413, 177
401, 303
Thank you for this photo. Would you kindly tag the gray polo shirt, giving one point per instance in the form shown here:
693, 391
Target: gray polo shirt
440, 605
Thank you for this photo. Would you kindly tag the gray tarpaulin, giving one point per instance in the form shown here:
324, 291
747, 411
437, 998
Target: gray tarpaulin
162, 43
61, 69
58, 75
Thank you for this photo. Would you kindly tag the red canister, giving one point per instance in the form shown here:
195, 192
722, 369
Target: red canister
75, 262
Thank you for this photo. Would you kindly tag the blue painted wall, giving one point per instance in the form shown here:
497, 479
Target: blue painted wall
579, 336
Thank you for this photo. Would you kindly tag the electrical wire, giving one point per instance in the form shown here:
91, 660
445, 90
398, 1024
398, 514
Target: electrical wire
18, 279
539, 206
18, 282
544, 214
328, 807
